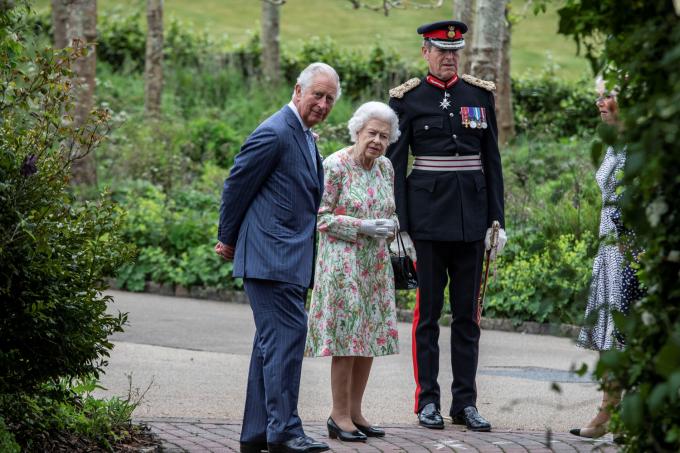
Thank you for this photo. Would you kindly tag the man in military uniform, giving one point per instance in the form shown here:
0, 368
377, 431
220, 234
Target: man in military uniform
446, 207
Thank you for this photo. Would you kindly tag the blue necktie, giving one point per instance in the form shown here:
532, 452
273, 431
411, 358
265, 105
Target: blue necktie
310, 145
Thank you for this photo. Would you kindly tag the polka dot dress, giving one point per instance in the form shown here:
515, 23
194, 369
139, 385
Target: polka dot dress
606, 294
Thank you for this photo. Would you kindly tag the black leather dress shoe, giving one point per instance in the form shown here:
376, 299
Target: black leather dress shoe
253, 447
335, 432
429, 417
471, 418
370, 431
302, 444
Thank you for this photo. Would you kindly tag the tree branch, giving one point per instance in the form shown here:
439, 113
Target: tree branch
399, 4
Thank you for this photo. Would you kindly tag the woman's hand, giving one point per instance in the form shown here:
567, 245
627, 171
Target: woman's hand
377, 228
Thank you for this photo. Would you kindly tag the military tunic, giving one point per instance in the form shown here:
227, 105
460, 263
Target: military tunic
446, 206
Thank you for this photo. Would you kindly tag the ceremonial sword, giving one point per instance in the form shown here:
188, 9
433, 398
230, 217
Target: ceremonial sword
495, 229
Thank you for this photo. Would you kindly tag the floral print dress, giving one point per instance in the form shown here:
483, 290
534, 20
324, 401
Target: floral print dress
353, 311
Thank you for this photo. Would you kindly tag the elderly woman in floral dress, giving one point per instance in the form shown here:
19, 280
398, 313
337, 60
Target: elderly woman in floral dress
352, 316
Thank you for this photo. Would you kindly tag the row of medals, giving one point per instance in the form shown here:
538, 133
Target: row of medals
478, 121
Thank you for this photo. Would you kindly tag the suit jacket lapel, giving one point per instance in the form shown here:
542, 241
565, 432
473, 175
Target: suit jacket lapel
300, 138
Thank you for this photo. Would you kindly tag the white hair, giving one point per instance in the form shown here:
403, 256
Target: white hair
307, 75
601, 86
373, 111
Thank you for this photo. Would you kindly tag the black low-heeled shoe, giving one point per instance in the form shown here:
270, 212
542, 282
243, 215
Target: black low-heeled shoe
335, 432
370, 431
593, 432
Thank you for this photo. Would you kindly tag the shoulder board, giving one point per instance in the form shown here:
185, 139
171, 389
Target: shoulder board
487, 85
398, 92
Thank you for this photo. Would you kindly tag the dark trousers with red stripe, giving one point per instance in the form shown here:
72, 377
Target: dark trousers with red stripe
461, 262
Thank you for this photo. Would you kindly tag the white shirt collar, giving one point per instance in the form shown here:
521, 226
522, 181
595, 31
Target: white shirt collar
297, 115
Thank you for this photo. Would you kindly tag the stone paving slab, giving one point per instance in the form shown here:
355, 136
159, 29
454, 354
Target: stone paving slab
217, 436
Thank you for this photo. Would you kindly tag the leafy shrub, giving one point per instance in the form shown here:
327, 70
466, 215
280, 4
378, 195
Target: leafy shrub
121, 40
150, 151
65, 416
175, 235
54, 250
563, 269
152, 263
211, 139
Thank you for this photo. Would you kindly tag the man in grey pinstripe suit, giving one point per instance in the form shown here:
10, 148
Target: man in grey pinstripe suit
267, 226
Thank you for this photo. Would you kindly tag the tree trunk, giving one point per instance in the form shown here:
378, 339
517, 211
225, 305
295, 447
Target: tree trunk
464, 11
59, 17
269, 37
81, 26
488, 45
506, 119
153, 71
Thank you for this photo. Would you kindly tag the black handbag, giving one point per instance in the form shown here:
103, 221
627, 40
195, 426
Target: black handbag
405, 276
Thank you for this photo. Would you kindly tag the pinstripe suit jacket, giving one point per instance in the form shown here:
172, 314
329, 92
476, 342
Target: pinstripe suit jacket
270, 201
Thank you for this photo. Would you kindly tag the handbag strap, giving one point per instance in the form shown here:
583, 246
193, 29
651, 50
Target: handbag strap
400, 245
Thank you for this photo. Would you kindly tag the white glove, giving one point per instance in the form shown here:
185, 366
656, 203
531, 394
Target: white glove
502, 239
409, 248
377, 228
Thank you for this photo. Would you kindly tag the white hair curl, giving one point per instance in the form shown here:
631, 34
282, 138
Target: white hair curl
307, 75
370, 111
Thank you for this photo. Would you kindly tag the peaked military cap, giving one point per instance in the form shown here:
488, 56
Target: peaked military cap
445, 34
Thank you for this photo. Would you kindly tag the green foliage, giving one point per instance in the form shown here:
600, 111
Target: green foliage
363, 75
547, 105
8, 443
54, 250
213, 100
175, 235
550, 190
211, 139
649, 101
121, 41
66, 413
563, 269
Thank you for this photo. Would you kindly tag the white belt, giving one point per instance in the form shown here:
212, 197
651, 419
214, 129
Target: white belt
448, 163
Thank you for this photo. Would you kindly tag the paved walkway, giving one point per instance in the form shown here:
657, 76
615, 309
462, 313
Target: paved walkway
193, 435
192, 357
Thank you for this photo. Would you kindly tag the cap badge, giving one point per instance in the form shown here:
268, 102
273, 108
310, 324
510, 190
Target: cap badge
452, 32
